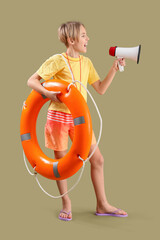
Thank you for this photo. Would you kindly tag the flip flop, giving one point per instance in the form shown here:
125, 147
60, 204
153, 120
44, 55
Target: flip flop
113, 214
64, 219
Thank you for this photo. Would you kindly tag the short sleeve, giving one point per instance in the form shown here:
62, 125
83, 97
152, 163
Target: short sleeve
93, 75
48, 69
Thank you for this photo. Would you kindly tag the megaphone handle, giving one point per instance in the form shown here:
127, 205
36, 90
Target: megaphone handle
121, 68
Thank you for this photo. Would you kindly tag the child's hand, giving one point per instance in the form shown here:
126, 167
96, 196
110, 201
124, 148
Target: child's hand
121, 61
52, 96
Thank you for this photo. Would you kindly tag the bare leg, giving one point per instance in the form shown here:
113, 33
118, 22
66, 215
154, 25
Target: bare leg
62, 186
97, 177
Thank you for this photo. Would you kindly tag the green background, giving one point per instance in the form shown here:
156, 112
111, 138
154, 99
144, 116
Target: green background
130, 112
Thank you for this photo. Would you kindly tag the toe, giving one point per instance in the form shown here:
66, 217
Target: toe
121, 212
63, 215
70, 215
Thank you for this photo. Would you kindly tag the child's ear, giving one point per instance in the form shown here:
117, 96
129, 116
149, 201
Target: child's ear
70, 41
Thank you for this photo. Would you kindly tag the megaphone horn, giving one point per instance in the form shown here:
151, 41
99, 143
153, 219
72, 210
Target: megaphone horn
132, 53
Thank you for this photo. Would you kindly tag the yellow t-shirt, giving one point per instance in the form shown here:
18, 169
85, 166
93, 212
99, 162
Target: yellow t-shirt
57, 68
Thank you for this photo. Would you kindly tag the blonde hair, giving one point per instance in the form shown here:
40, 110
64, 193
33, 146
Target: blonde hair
69, 30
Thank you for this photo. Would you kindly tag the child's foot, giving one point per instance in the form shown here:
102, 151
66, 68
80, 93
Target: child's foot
106, 208
65, 213
65, 216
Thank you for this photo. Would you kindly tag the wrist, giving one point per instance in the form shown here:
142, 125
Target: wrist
114, 69
45, 92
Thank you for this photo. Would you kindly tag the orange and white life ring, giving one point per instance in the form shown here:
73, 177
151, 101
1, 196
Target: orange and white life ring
67, 166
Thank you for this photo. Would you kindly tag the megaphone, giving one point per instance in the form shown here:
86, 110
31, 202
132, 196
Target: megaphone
132, 53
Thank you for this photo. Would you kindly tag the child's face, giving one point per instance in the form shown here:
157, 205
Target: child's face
80, 45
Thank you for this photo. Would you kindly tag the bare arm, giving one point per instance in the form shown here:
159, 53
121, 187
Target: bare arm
102, 86
34, 83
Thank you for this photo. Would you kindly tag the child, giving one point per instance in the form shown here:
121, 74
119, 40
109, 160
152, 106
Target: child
59, 120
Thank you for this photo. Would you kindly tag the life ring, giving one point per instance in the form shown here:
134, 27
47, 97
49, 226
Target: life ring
56, 169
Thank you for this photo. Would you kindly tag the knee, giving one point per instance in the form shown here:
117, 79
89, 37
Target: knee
97, 161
